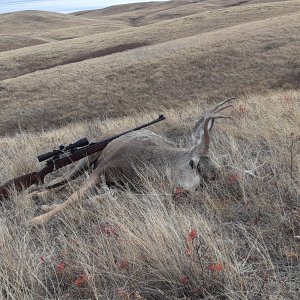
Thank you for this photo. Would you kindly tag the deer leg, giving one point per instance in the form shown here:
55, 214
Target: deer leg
54, 209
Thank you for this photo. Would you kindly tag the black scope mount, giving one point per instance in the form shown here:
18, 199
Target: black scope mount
55, 154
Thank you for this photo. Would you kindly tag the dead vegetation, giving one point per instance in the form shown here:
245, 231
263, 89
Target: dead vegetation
140, 14
102, 26
26, 28
24, 61
91, 73
233, 239
37, 21
10, 42
164, 75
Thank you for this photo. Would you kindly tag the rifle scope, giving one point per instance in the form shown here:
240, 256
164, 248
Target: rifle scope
62, 149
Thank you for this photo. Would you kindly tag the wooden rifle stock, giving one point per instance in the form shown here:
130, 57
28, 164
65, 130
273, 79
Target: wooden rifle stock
27, 180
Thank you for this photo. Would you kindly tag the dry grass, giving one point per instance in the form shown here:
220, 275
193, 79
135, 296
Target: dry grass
140, 14
10, 42
236, 237
24, 61
23, 29
29, 28
228, 61
82, 31
126, 245
36, 21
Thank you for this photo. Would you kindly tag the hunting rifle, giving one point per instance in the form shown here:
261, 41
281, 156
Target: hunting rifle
62, 157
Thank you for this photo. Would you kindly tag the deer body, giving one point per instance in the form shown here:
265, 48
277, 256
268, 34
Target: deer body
149, 149
122, 159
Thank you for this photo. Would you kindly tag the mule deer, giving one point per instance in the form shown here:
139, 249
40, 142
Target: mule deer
122, 157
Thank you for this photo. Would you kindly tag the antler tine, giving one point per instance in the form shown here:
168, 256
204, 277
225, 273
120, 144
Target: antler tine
221, 108
206, 134
214, 114
214, 109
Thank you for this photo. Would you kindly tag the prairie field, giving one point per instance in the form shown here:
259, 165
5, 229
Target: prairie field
236, 238
68, 76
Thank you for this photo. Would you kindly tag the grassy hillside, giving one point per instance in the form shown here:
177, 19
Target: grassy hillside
10, 41
236, 238
104, 25
36, 21
25, 28
23, 61
139, 14
229, 61
29, 28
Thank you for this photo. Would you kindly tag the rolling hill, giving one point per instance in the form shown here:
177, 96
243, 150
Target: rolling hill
139, 14
160, 65
81, 31
12, 41
23, 61
37, 21
29, 28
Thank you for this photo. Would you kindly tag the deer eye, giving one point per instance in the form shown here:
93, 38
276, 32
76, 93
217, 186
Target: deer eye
192, 164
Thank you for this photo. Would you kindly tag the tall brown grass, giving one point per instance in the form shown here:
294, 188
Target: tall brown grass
232, 239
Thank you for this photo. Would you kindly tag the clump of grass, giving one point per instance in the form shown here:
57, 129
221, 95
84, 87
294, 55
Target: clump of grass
232, 239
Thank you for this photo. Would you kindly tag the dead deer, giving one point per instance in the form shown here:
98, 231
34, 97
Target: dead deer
121, 158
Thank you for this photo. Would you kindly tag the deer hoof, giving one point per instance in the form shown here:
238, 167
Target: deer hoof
38, 220
47, 208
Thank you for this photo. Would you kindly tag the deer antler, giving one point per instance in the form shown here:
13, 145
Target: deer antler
200, 134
